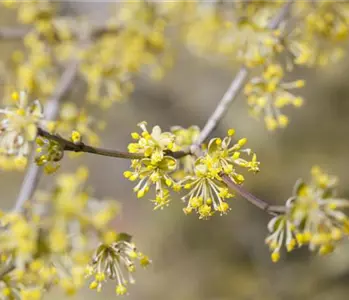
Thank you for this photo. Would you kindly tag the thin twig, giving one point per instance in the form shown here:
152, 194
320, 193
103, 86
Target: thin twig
82, 147
261, 204
222, 107
33, 174
234, 88
6, 269
14, 33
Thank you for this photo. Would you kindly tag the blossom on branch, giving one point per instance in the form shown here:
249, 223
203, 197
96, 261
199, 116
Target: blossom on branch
314, 217
18, 129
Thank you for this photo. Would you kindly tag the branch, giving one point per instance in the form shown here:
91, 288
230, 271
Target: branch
33, 174
235, 87
221, 109
7, 269
261, 204
10, 33
81, 147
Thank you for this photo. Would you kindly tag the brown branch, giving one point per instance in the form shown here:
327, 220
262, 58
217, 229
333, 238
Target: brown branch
234, 88
81, 147
261, 204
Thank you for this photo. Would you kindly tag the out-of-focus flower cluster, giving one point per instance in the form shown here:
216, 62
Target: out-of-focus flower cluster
313, 217
136, 38
268, 94
236, 31
18, 128
130, 41
201, 177
72, 117
322, 35
19, 125
133, 42
53, 243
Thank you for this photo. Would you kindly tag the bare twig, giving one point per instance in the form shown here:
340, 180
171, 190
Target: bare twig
234, 88
13, 33
263, 205
81, 147
222, 107
6, 269
32, 176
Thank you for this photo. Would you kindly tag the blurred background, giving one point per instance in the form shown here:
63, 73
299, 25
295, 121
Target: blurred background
225, 257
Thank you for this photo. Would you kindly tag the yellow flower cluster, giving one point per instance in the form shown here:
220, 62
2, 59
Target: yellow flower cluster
53, 242
155, 167
235, 32
112, 261
201, 176
314, 217
322, 37
48, 154
133, 42
268, 94
35, 68
184, 138
208, 192
19, 124
18, 129
73, 118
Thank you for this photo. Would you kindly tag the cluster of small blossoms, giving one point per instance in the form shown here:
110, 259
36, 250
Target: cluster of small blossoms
53, 242
18, 129
133, 42
234, 32
35, 70
32, 11
113, 261
323, 35
48, 154
313, 217
72, 118
184, 138
268, 94
156, 166
207, 191
202, 176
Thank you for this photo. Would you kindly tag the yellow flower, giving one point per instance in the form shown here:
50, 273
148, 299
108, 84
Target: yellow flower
18, 127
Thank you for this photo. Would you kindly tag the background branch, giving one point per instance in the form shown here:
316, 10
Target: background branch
13, 32
235, 87
34, 172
